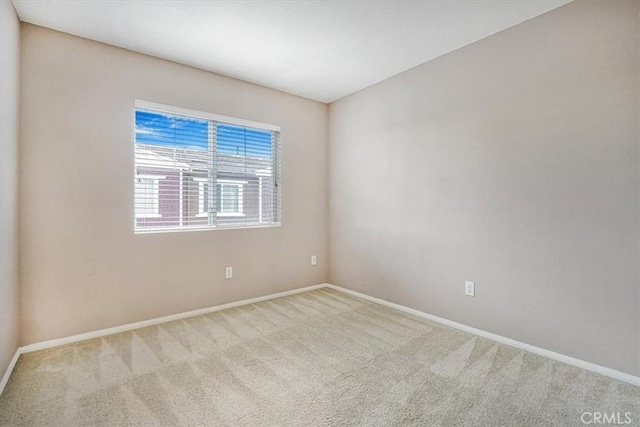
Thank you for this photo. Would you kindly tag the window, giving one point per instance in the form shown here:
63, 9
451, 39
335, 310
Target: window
147, 196
230, 198
203, 198
230, 201
197, 170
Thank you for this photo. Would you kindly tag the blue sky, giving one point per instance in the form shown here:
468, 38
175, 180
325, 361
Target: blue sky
176, 131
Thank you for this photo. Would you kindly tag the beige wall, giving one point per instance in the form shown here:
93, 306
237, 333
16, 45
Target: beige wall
512, 162
82, 267
9, 105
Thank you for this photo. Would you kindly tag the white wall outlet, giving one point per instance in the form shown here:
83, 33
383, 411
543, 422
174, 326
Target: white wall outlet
470, 289
228, 273
314, 260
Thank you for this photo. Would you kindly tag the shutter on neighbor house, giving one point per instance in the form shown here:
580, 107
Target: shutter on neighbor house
196, 172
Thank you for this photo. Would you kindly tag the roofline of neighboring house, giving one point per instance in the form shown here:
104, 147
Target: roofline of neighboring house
160, 161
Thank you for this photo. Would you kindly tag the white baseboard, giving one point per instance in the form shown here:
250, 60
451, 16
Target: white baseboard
612, 373
7, 373
136, 325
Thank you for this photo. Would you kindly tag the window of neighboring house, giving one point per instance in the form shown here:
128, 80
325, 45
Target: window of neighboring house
147, 201
229, 198
203, 197
217, 171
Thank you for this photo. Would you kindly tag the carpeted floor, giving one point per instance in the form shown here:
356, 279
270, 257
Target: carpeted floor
316, 358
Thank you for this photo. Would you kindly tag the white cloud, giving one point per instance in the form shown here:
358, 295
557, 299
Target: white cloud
145, 131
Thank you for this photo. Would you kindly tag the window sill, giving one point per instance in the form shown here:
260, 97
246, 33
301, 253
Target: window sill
196, 228
142, 216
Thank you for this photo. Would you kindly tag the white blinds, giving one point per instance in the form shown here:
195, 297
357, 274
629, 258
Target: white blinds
199, 170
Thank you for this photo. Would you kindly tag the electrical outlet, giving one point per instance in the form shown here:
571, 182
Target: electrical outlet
314, 260
470, 289
228, 273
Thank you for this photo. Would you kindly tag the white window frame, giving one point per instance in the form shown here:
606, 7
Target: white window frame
202, 213
155, 195
218, 118
240, 184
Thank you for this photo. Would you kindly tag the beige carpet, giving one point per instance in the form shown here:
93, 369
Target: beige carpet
317, 358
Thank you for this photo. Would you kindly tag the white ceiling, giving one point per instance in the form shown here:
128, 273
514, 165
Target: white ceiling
322, 50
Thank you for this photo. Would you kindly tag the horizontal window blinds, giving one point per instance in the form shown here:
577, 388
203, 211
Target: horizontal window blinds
194, 172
